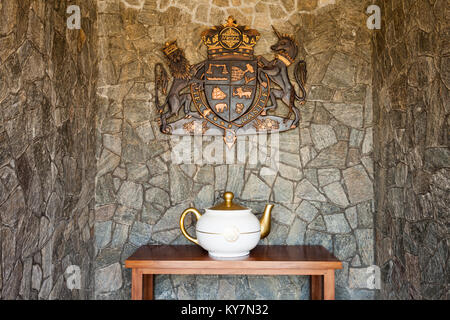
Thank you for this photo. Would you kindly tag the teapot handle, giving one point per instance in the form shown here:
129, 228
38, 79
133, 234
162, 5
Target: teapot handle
183, 230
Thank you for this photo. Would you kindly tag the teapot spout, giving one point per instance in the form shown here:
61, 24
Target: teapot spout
265, 221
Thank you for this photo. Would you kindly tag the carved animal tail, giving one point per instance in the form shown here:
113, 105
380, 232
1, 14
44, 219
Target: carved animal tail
161, 81
300, 74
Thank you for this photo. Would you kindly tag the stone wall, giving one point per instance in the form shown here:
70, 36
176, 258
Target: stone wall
323, 189
86, 177
411, 111
47, 156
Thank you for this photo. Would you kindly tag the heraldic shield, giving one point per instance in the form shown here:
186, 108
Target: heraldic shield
231, 96
230, 87
231, 90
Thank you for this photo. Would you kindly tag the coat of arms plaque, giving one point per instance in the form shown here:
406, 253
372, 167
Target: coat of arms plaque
232, 91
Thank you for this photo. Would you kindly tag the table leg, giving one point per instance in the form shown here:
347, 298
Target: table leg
136, 284
316, 287
148, 286
328, 285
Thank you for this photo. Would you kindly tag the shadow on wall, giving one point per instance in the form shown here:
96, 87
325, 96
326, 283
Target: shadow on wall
47, 155
411, 64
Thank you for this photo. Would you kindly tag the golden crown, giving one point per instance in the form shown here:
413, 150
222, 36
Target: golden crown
170, 47
230, 40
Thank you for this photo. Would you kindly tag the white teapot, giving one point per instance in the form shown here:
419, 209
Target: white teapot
228, 229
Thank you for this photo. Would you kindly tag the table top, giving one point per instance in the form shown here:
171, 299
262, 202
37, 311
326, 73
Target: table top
272, 257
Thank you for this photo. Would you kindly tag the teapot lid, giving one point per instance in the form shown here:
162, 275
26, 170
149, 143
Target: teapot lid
228, 204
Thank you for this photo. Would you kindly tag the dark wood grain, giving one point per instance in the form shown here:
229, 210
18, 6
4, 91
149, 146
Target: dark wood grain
148, 286
316, 287
275, 254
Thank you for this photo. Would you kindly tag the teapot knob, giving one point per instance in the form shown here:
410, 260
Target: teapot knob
228, 196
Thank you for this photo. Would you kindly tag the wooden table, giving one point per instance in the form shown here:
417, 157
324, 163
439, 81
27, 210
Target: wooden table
314, 261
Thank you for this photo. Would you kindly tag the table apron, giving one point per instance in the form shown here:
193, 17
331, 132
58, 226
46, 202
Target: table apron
226, 265
253, 271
